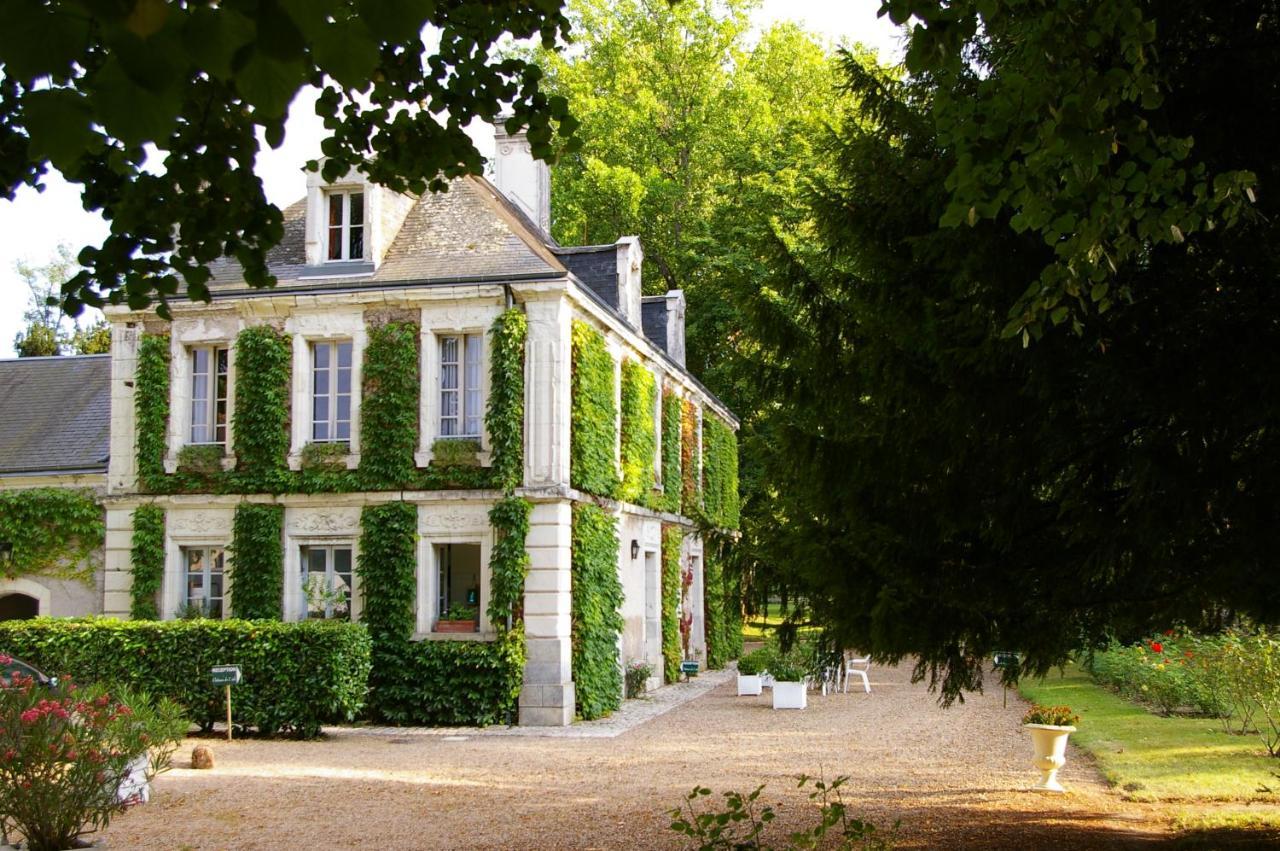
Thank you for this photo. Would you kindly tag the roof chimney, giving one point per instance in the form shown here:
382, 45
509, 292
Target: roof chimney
664, 322
525, 181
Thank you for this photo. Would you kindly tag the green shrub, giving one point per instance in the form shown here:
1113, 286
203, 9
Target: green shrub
53, 532
147, 558
297, 676
256, 572
637, 676
593, 438
151, 410
638, 439
260, 425
597, 621
672, 539
754, 662
1169, 673
389, 407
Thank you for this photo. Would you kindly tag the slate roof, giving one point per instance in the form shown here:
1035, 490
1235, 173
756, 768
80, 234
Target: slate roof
55, 414
469, 233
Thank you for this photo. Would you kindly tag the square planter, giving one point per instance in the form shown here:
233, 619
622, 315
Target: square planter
456, 626
749, 684
790, 695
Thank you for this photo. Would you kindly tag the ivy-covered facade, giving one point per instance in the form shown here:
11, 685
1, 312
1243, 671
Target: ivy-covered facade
454, 431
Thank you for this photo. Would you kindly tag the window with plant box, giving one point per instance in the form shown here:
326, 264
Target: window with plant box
203, 582
461, 387
209, 370
344, 231
328, 589
457, 587
331, 391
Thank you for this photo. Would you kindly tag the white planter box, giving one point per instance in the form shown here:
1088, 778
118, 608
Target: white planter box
790, 695
749, 684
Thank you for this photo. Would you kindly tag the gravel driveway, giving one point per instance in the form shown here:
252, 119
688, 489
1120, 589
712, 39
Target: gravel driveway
956, 778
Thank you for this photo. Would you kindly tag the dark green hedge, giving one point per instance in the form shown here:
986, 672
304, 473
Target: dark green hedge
425, 682
260, 427
638, 438
297, 676
147, 561
256, 571
389, 407
471, 683
594, 415
670, 452
151, 410
719, 473
597, 622
672, 652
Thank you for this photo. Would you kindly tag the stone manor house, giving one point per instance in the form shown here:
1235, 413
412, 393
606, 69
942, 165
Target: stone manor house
354, 258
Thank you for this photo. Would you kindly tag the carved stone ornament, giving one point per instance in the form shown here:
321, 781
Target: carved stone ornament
198, 522
322, 522
453, 519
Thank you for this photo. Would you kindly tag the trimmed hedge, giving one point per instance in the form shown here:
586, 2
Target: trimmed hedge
597, 622
297, 676
594, 415
638, 438
672, 653
256, 572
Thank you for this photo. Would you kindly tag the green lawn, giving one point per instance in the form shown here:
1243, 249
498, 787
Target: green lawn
760, 626
1166, 759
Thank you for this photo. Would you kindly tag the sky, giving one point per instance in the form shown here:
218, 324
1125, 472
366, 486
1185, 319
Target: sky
34, 223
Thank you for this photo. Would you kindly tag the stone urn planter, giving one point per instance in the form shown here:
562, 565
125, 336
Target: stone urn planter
1049, 727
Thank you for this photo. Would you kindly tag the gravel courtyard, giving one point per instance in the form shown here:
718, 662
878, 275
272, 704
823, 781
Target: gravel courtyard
956, 778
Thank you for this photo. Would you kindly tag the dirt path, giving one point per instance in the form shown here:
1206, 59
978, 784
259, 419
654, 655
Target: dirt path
956, 778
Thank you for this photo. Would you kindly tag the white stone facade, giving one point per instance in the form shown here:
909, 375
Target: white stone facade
551, 303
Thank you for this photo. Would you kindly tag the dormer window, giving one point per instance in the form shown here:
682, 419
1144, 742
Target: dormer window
345, 232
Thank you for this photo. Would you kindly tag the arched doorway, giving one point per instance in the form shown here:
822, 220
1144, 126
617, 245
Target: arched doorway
16, 607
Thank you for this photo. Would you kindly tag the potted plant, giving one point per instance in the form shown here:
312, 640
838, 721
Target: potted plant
637, 677
750, 667
1050, 726
459, 617
790, 691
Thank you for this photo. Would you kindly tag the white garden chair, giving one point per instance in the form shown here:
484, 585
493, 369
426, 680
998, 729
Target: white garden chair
856, 666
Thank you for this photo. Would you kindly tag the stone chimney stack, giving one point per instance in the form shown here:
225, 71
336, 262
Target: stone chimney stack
525, 181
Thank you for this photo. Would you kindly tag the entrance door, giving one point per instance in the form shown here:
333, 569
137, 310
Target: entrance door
18, 607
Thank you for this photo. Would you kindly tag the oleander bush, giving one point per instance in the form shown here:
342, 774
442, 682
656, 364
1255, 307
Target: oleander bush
297, 676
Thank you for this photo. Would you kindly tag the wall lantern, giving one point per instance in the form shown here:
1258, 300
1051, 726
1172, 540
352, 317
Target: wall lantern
635, 550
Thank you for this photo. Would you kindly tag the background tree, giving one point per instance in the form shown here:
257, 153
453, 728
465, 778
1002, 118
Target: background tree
943, 492
49, 330
86, 87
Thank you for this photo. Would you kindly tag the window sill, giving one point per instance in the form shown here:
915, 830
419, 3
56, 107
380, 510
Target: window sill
424, 457
455, 636
171, 461
338, 269
352, 460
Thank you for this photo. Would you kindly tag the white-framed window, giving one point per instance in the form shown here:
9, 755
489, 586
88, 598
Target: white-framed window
331, 390
327, 581
461, 387
344, 229
209, 394
457, 586
203, 580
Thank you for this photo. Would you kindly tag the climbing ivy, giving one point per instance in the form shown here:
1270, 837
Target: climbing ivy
389, 407
720, 473
597, 622
638, 439
670, 452
323, 468
256, 572
504, 417
151, 409
148, 561
690, 482
672, 539
53, 532
509, 561
261, 423
592, 443
425, 682
723, 612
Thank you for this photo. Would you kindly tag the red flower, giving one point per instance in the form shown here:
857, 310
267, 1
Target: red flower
1157, 647
1188, 653
1168, 632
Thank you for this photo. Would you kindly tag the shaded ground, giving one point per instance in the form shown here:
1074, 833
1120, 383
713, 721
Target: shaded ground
956, 778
